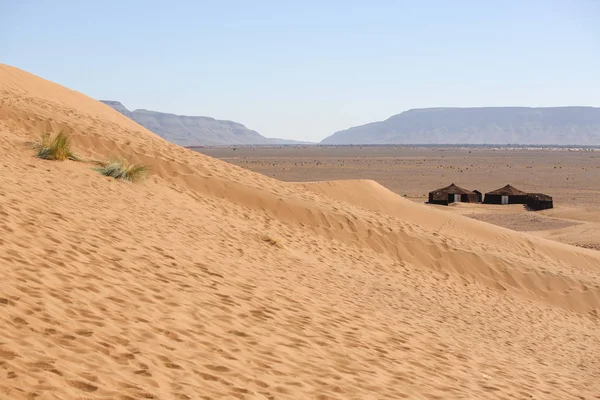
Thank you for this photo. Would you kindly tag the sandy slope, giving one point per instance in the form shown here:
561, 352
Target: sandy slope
584, 232
571, 176
166, 289
571, 225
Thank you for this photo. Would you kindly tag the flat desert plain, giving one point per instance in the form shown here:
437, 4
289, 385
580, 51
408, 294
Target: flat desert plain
570, 175
210, 281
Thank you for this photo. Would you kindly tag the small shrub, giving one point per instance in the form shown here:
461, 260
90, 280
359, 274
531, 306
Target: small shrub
120, 169
270, 240
57, 148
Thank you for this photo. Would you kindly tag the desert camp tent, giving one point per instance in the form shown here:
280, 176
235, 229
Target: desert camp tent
506, 195
539, 201
479, 196
452, 194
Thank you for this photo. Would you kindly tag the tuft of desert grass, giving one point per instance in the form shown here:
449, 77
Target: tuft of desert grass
271, 240
55, 148
121, 169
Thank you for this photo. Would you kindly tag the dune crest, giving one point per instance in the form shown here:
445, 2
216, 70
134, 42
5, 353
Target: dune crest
168, 288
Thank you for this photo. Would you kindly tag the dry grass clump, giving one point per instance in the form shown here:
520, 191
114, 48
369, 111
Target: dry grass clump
121, 169
57, 148
271, 240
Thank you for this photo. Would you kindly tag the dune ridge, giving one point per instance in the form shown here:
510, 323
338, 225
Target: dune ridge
170, 284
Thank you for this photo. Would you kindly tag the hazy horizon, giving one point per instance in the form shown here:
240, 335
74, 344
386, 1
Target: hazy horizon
306, 71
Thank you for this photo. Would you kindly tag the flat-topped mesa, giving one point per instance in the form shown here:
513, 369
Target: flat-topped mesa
190, 131
481, 125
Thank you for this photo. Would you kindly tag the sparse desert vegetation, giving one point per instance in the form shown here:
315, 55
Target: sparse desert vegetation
56, 148
273, 241
124, 170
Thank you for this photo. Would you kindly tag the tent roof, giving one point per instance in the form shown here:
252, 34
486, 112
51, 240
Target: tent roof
508, 190
452, 189
540, 196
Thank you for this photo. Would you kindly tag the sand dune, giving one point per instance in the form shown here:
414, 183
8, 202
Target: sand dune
167, 288
571, 176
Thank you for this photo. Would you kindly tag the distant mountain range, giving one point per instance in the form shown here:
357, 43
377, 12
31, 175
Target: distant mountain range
485, 125
196, 131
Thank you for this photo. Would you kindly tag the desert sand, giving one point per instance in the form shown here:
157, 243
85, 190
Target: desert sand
211, 281
570, 175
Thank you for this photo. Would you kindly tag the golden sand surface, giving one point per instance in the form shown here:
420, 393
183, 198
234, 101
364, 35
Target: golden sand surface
209, 281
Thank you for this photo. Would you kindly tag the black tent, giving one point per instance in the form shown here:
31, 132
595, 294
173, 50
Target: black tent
506, 195
452, 194
539, 201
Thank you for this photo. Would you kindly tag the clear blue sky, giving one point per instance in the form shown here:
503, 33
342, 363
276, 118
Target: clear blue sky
305, 69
